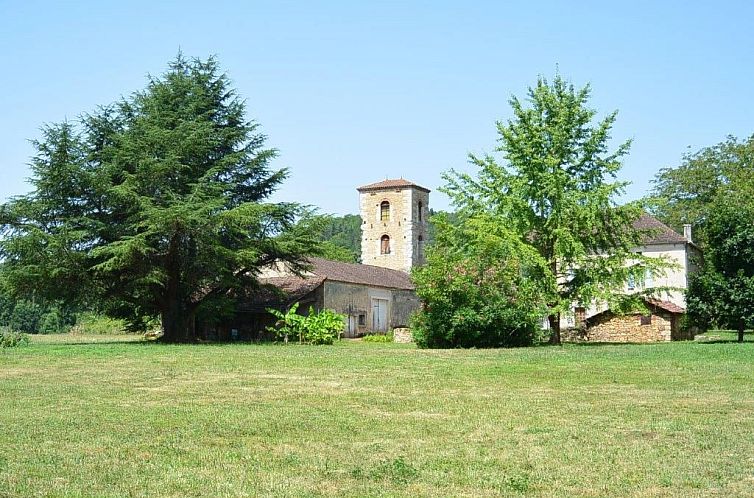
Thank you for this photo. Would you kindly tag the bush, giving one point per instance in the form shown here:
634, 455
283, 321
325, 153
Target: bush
12, 339
382, 338
95, 324
26, 317
34, 317
56, 321
323, 327
479, 288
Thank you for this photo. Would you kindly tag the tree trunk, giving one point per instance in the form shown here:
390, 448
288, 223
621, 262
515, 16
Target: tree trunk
741, 332
554, 328
178, 323
178, 314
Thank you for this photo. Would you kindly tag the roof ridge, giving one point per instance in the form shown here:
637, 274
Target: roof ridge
391, 183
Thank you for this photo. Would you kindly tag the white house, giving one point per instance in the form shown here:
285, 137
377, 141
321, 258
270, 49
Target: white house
661, 242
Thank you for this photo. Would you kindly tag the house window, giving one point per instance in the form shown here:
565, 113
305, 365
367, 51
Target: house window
362, 319
385, 245
648, 279
631, 282
385, 211
646, 319
420, 210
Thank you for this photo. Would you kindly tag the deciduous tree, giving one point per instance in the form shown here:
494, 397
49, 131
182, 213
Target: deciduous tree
688, 192
722, 293
557, 191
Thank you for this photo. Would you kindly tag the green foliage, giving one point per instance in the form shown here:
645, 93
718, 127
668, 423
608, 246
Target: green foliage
721, 294
341, 236
481, 287
26, 317
154, 206
378, 338
91, 323
330, 250
53, 322
557, 196
32, 317
322, 327
12, 339
688, 193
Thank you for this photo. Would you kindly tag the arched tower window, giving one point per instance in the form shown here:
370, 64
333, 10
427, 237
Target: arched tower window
385, 211
421, 207
420, 248
385, 245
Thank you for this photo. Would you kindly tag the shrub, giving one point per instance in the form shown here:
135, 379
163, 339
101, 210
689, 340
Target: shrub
479, 288
96, 324
26, 317
12, 339
56, 321
322, 327
383, 338
35, 317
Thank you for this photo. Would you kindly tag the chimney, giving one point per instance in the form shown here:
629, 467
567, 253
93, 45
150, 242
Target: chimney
687, 232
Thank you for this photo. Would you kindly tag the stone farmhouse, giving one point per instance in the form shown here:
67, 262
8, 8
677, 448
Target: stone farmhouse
375, 296
663, 320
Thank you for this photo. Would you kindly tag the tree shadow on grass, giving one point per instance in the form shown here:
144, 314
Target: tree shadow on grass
586, 344
88, 341
132, 340
724, 340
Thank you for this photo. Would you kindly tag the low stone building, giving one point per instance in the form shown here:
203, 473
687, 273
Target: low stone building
661, 322
377, 296
373, 299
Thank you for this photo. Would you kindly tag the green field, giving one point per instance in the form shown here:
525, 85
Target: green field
103, 416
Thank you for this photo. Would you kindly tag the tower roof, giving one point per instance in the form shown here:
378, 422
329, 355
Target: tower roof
388, 184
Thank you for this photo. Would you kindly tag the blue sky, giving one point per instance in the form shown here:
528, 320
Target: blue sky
354, 92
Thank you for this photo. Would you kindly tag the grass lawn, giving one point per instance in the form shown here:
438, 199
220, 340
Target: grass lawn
103, 416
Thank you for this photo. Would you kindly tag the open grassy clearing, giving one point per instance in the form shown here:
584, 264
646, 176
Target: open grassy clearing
113, 418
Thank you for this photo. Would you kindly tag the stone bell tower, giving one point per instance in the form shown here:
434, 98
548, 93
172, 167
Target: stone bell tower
393, 224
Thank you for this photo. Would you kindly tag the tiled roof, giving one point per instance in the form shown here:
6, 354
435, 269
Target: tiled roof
399, 183
292, 288
665, 305
295, 287
657, 303
657, 232
278, 290
354, 273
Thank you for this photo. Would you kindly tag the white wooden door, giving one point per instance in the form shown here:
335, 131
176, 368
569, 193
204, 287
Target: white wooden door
379, 315
352, 328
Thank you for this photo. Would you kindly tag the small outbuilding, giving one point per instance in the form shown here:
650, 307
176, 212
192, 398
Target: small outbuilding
661, 322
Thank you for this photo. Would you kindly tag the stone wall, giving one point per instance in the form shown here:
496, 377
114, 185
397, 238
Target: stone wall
402, 335
609, 327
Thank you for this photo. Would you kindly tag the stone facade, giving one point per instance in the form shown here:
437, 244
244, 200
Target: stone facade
406, 224
402, 335
662, 242
629, 328
655, 326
